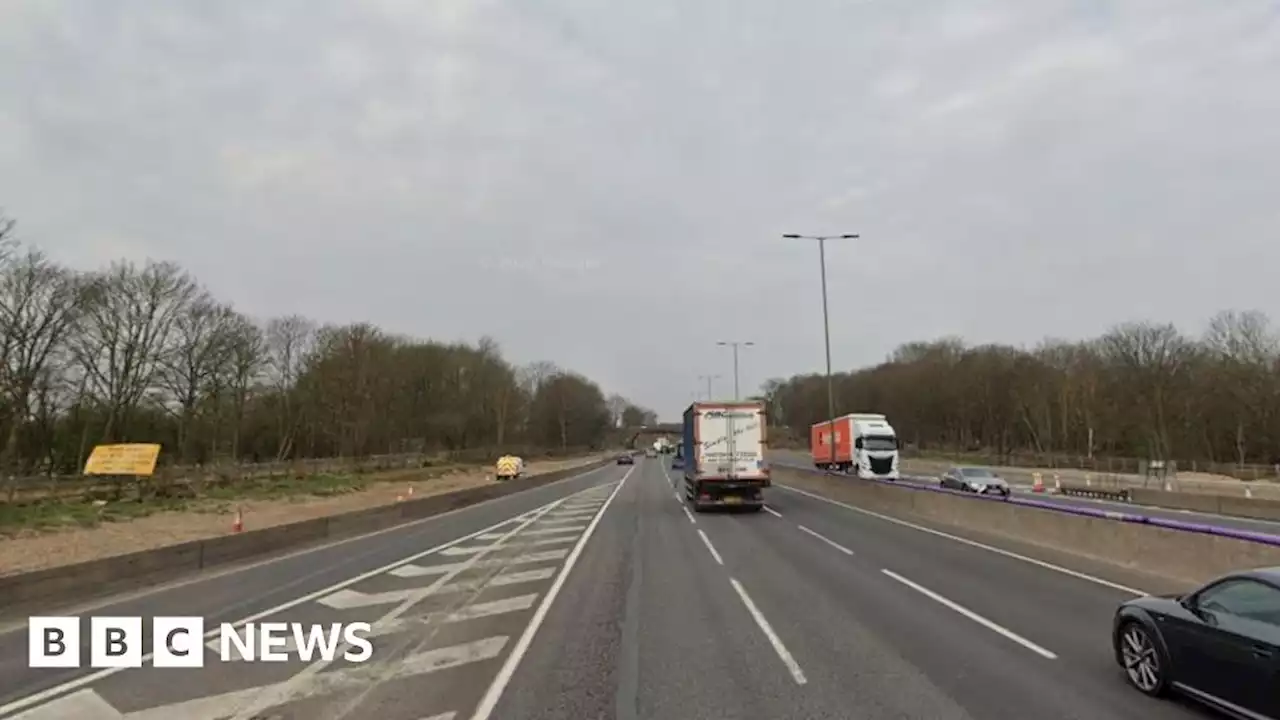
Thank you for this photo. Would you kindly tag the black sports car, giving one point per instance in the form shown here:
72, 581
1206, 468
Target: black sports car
1219, 644
626, 460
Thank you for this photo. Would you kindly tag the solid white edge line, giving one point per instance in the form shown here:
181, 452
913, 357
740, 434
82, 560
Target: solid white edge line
689, 515
491, 697
998, 629
972, 543
216, 573
707, 541
772, 512
826, 540
70, 685
783, 653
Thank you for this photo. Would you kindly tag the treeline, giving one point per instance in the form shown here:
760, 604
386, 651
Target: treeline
1142, 390
143, 353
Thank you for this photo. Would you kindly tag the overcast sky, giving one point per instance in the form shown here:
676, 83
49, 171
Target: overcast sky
603, 184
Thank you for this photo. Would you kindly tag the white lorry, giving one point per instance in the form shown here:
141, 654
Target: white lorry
723, 449
864, 443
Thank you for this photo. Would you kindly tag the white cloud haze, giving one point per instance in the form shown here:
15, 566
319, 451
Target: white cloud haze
604, 184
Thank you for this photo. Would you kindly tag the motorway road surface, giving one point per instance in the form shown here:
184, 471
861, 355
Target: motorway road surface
802, 461
602, 596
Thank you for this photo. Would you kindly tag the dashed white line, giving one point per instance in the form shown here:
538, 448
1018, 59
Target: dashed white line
689, 515
826, 540
491, 696
967, 541
783, 653
998, 629
707, 541
772, 512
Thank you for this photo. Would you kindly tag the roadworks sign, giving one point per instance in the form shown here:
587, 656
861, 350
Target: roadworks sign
123, 459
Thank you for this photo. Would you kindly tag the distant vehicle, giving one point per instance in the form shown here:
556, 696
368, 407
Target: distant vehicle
508, 467
626, 459
651, 453
865, 443
974, 479
724, 445
1219, 645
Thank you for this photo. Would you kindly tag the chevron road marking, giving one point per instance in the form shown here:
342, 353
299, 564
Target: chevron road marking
469, 612
89, 705
347, 599
412, 571
457, 550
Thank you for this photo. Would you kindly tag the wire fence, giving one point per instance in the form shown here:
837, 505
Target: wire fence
179, 480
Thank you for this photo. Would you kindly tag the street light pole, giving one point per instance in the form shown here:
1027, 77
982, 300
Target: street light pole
826, 331
708, 378
735, 344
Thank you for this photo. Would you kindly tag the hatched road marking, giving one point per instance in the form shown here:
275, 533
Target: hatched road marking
469, 594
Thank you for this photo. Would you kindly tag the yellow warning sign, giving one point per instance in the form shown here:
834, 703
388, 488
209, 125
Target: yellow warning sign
123, 459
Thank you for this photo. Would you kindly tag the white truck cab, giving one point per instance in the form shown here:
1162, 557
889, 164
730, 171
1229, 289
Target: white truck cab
875, 447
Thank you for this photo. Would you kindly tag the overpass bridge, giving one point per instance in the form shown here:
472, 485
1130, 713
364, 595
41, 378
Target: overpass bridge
646, 434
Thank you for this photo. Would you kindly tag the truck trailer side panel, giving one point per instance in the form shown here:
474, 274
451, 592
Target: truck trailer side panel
724, 461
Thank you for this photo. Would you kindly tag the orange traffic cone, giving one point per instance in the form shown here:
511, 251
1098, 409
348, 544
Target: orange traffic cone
1037, 483
238, 524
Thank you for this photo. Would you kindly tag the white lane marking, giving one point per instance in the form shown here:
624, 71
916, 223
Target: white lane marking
87, 608
478, 549
562, 521
826, 540
537, 533
412, 571
772, 512
62, 688
783, 653
676, 495
79, 705
442, 716
347, 599
707, 541
689, 515
518, 603
524, 576
84, 704
308, 673
971, 543
998, 629
494, 693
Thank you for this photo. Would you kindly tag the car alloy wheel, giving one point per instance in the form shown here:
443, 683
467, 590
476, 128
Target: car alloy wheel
1142, 662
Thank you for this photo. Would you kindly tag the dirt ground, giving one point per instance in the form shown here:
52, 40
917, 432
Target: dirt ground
65, 547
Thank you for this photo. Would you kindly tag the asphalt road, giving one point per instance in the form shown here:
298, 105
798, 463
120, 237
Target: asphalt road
636, 608
802, 461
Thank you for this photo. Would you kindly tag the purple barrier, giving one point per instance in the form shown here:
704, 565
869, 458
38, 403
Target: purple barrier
1203, 529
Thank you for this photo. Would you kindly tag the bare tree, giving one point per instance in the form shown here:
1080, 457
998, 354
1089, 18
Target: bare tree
123, 334
38, 305
290, 342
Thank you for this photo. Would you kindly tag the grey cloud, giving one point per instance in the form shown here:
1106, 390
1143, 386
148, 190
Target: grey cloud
603, 184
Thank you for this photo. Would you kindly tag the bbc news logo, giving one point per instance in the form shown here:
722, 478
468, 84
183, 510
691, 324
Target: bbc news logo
179, 642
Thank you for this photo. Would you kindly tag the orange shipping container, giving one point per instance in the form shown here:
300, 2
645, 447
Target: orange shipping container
820, 447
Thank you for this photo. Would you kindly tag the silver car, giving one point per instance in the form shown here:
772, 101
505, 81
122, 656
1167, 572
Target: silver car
974, 479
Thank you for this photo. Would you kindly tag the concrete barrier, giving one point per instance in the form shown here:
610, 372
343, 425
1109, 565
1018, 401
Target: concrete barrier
1186, 552
46, 589
1256, 508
